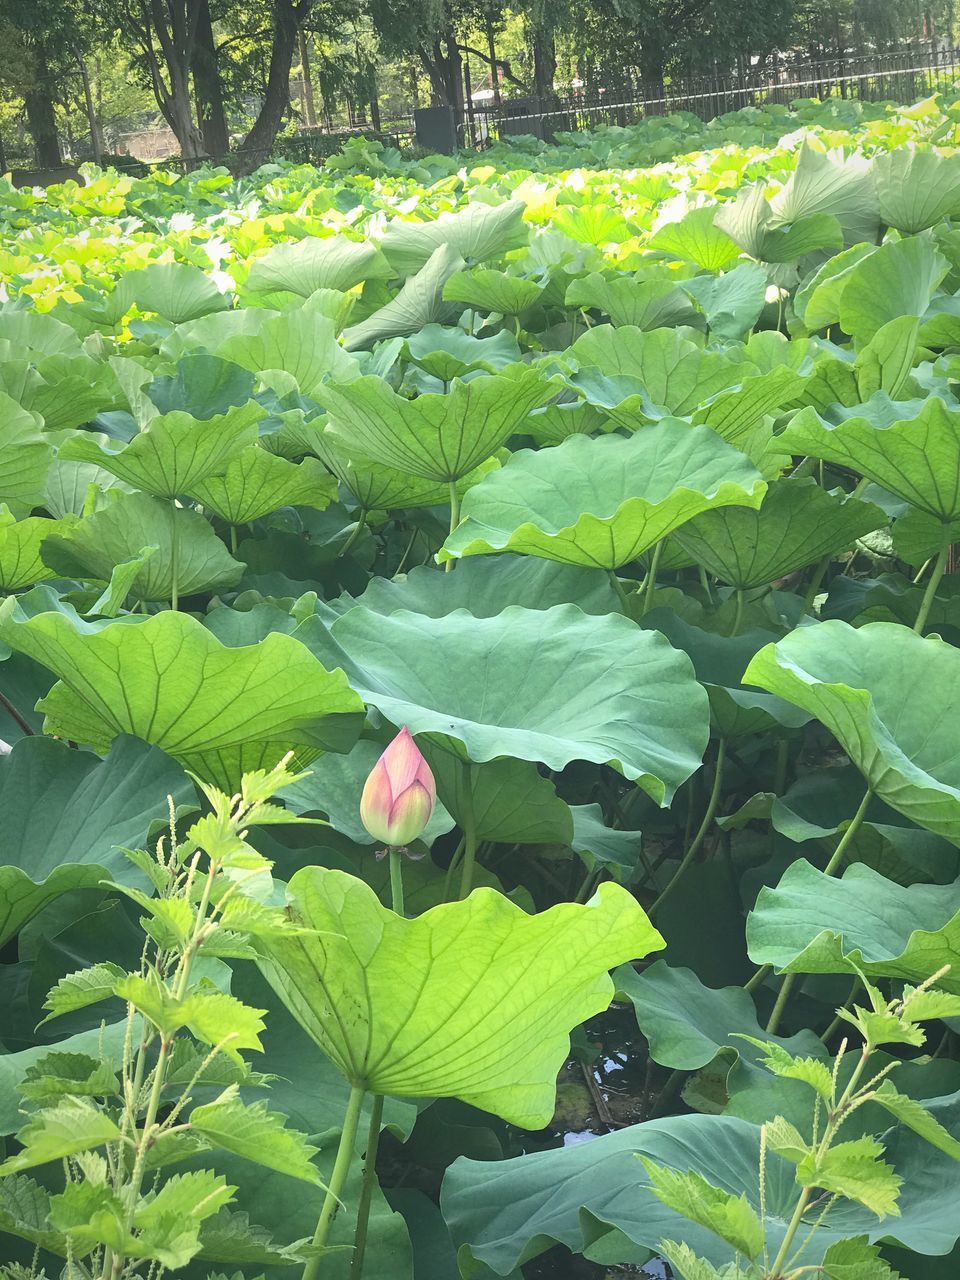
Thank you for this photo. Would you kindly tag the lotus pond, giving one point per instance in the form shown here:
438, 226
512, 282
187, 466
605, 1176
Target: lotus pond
480, 710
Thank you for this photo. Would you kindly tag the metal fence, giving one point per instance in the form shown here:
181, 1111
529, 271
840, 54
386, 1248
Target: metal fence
904, 76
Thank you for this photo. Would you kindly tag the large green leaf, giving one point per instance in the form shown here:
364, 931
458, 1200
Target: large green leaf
67, 815
686, 1024
731, 303
472, 999
218, 710
640, 303
830, 182
673, 371
911, 449
862, 922
296, 350
379, 487
898, 280
595, 1197
492, 291
486, 587
917, 188
719, 662
175, 290
696, 238
476, 233
603, 500
889, 697
436, 437
796, 525
317, 262
419, 303
66, 391
255, 483
25, 456
552, 685
175, 452
21, 564
188, 555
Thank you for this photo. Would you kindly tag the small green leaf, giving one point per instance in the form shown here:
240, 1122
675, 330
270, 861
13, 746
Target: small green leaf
59, 1073
916, 1117
730, 1217
259, 1135
70, 1126
854, 1170
856, 1259
85, 987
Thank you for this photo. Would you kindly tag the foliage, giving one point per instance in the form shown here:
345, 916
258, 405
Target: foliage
622, 476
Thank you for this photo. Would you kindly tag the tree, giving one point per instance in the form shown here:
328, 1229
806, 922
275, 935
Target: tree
47, 35
164, 33
287, 18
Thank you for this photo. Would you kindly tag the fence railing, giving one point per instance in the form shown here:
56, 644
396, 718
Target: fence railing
903, 75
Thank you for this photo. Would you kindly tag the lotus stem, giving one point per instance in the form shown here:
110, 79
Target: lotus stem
738, 615
396, 880
358, 528
233, 539
366, 1188
469, 825
651, 583
338, 1179
702, 830
832, 866
621, 593
933, 581
454, 516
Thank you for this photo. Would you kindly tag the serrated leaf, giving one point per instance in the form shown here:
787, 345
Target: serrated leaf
916, 1117
259, 1135
854, 1170
59, 1073
730, 1217
58, 1131
85, 987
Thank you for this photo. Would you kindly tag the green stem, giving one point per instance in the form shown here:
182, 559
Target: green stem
454, 516
934, 581
233, 539
651, 583
396, 880
845, 840
357, 530
738, 615
832, 866
174, 563
366, 1188
792, 1230
815, 581
702, 830
468, 824
618, 587
338, 1179
451, 868
763, 972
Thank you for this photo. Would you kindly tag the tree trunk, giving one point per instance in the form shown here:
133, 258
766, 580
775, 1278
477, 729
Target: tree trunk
96, 143
544, 62
206, 81
494, 66
287, 18
309, 106
43, 126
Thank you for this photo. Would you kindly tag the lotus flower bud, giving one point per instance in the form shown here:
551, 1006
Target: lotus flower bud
399, 795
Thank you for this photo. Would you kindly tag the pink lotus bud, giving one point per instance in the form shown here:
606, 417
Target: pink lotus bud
399, 795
